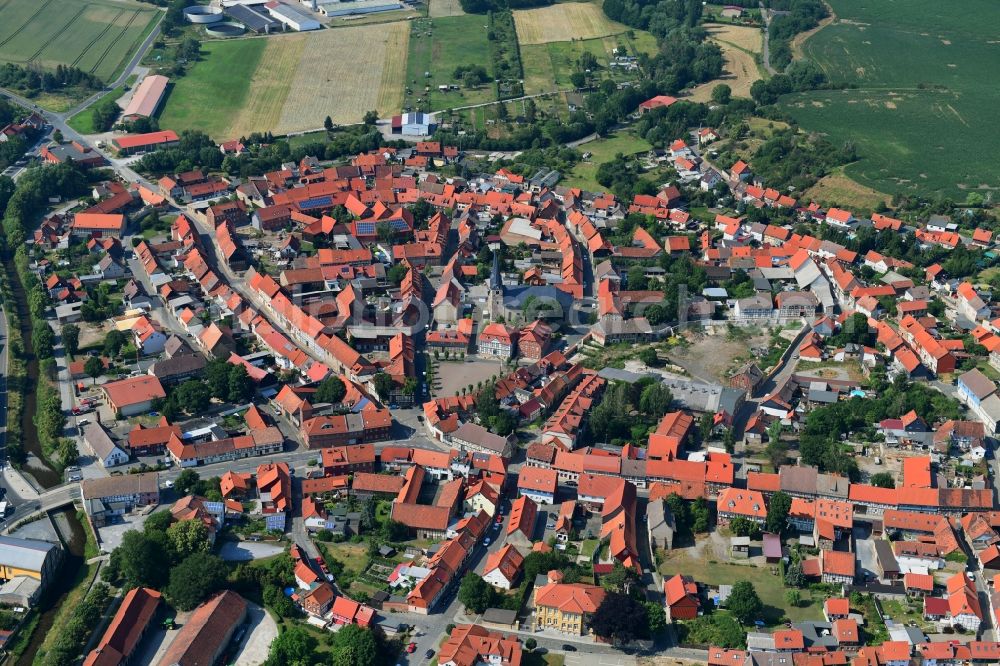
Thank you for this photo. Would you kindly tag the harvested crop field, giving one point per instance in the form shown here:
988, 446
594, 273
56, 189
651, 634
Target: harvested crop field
739, 73
564, 22
838, 189
344, 73
742, 37
289, 83
270, 85
442, 8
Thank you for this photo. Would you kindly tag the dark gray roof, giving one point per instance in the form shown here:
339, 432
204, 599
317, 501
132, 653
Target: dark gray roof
28, 554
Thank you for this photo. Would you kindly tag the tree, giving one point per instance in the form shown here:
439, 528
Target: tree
476, 594
741, 526
776, 452
383, 385
700, 516
777, 512
275, 599
793, 597
142, 559
187, 537
655, 400
370, 118
743, 602
883, 480
186, 482
157, 522
705, 426
722, 94
794, 576
293, 647
679, 509
729, 440
113, 342
331, 390
354, 645
636, 277
240, 385
193, 396
94, 367
530, 644
620, 619
657, 618
71, 338
328, 124
193, 580
621, 579
649, 357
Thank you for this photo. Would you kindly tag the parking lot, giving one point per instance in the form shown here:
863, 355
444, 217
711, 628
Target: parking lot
110, 536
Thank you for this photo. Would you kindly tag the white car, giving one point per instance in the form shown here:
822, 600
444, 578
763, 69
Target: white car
168, 484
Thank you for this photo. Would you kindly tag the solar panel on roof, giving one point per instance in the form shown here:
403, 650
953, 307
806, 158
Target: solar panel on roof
366, 228
317, 202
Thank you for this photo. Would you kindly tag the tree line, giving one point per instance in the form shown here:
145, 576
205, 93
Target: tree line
32, 80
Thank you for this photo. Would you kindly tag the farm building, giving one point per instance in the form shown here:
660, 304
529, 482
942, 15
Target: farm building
146, 98
656, 102
255, 20
292, 18
415, 123
131, 144
340, 8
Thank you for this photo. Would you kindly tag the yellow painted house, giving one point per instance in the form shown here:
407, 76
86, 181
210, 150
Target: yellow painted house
28, 557
567, 607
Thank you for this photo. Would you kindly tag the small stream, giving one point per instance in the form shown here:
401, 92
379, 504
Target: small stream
66, 521
36, 464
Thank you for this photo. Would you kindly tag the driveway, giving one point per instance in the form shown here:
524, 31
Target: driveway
244, 551
261, 631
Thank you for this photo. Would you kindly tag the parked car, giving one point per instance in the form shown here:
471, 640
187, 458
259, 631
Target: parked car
411, 648
428, 654
568, 648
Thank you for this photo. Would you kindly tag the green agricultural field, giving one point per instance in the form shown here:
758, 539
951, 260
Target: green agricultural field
548, 66
923, 108
211, 94
98, 36
438, 46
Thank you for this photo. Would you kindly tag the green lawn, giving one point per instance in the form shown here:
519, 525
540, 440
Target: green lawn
98, 36
438, 46
923, 104
212, 92
770, 587
603, 150
83, 122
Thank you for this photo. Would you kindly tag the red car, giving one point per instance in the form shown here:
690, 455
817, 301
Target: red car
411, 648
